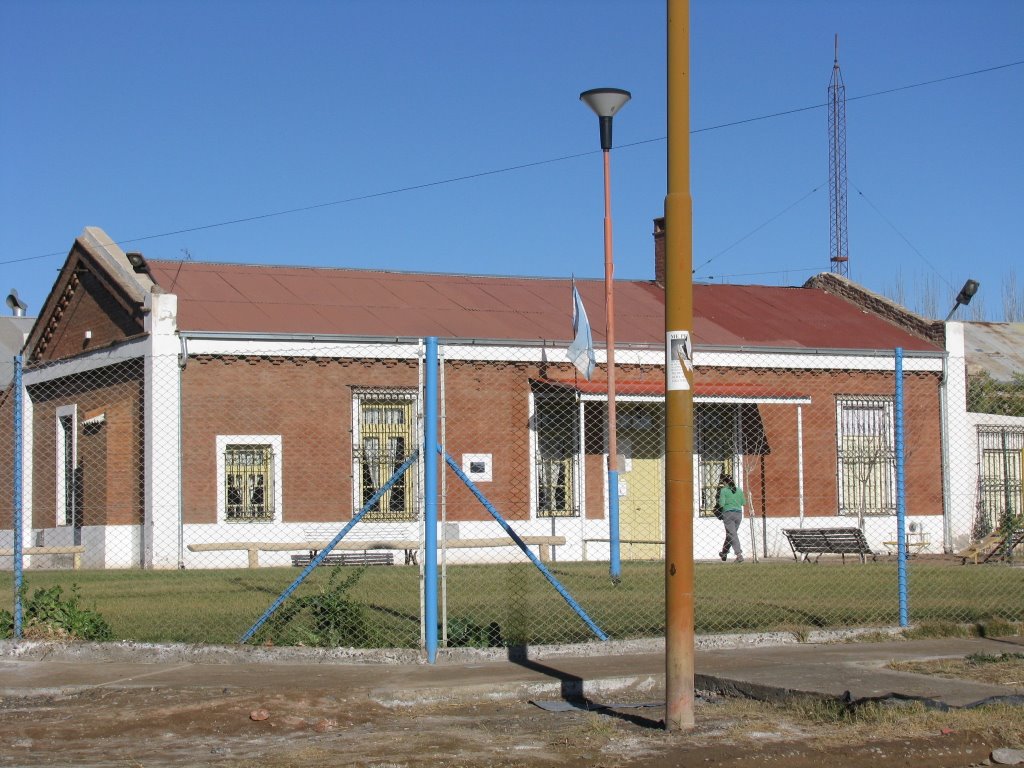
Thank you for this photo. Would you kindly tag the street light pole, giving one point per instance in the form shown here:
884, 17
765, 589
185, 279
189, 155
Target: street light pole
606, 102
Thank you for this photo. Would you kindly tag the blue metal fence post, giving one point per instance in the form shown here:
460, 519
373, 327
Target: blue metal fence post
430, 446
18, 495
614, 557
901, 533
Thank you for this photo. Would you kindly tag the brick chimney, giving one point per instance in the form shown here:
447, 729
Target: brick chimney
659, 251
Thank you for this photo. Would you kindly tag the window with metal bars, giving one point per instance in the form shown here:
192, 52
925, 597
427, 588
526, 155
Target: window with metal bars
1001, 462
556, 421
248, 482
866, 456
383, 440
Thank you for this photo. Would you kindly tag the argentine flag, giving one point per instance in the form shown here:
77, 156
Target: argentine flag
581, 351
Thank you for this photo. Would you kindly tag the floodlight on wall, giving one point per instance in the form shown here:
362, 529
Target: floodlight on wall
138, 262
964, 297
16, 305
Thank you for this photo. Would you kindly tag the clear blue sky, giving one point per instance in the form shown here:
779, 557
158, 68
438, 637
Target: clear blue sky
145, 118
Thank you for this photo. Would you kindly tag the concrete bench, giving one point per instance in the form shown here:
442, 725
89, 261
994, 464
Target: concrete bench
828, 541
622, 542
253, 548
76, 549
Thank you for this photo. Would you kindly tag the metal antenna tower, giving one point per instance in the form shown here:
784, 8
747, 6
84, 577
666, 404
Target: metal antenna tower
837, 169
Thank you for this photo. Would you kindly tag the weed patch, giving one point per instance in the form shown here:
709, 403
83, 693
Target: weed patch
49, 615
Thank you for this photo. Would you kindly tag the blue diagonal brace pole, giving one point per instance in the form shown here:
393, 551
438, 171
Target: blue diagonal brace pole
333, 543
523, 546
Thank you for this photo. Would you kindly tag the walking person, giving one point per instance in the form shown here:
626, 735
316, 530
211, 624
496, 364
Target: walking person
731, 501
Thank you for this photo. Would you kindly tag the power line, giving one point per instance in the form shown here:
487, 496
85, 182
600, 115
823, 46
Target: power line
522, 166
758, 228
314, 207
905, 238
773, 272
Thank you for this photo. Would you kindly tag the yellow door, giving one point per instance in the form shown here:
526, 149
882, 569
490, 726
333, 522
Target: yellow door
641, 481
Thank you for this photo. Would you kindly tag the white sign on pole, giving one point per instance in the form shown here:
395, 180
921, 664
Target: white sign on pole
678, 360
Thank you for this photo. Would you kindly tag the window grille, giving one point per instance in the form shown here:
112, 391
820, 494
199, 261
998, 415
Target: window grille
1001, 458
558, 439
248, 482
866, 456
382, 444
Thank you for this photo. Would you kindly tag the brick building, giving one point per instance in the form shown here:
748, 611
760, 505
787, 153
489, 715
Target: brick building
173, 404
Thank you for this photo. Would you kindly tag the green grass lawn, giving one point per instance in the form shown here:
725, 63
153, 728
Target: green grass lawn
511, 604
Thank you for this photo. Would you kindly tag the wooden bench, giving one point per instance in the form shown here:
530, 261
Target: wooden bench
77, 550
828, 541
253, 548
994, 545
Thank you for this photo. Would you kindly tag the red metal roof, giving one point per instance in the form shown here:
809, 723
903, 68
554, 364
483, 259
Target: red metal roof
260, 299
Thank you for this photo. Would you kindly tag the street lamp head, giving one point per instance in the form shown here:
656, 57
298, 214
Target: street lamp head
964, 297
605, 102
967, 292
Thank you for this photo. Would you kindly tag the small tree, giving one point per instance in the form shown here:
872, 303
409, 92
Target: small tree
988, 395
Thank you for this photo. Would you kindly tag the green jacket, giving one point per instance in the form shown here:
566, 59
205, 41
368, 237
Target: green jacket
728, 499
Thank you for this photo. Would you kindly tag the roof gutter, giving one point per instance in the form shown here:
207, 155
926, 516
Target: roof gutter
820, 351
736, 349
354, 339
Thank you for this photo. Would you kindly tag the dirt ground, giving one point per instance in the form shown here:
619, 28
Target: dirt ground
143, 728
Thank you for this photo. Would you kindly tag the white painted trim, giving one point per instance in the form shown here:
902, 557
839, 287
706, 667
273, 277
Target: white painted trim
88, 362
739, 358
531, 434
163, 530
275, 442
807, 361
27, 465
61, 459
800, 458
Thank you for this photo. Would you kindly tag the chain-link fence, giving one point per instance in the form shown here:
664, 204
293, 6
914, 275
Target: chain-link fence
202, 497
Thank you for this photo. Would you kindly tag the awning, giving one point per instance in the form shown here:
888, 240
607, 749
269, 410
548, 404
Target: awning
708, 392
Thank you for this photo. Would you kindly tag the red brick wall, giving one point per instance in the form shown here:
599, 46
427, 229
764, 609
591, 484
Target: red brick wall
781, 492
85, 306
110, 453
306, 401
309, 403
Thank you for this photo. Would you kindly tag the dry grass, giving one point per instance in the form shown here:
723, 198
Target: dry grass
832, 724
1004, 669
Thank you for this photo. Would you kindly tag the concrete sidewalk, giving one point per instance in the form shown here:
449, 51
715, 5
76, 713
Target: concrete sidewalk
596, 671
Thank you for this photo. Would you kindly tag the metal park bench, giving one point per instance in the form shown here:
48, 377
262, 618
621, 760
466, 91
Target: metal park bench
347, 558
828, 541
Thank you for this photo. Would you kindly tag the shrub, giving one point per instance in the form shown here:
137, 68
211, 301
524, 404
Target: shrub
50, 615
